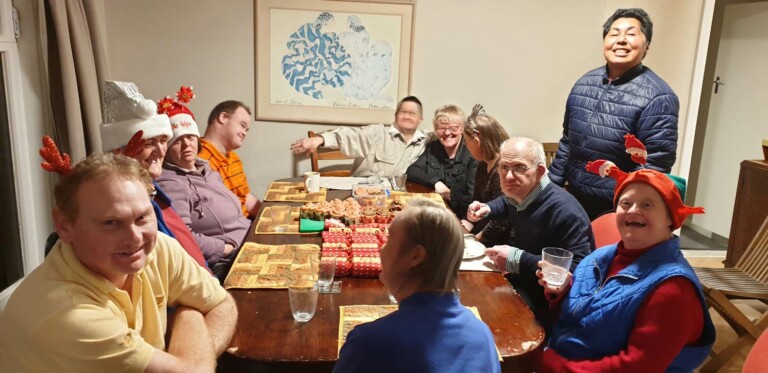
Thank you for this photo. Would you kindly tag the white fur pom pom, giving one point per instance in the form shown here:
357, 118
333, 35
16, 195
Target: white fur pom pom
145, 109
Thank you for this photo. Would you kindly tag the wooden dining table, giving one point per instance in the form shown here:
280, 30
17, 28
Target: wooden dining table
268, 339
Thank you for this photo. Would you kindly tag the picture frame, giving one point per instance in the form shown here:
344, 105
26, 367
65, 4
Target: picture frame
335, 62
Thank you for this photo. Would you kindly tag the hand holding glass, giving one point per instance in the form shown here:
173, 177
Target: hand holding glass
326, 273
559, 264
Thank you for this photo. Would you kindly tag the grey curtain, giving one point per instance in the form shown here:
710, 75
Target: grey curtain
74, 49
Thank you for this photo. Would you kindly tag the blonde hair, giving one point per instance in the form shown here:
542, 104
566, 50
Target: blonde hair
490, 132
97, 166
436, 229
450, 114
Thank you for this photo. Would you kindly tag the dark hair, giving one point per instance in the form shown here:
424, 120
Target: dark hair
229, 107
410, 99
646, 26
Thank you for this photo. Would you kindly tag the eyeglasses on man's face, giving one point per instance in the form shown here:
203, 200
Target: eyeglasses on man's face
516, 170
452, 129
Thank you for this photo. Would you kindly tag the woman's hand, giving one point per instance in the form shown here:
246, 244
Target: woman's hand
477, 211
548, 291
467, 225
443, 190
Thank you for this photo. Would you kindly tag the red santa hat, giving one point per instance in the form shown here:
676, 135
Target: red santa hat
671, 188
126, 112
182, 119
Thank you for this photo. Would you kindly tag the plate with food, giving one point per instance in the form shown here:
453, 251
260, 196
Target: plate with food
472, 248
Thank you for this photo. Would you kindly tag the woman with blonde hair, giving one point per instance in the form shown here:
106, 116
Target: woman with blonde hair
431, 331
446, 165
483, 136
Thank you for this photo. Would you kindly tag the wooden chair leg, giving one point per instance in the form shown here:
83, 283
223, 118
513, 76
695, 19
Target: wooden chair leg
718, 360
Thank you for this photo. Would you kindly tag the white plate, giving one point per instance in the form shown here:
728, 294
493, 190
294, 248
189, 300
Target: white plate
472, 248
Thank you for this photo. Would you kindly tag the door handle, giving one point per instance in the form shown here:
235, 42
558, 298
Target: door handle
717, 83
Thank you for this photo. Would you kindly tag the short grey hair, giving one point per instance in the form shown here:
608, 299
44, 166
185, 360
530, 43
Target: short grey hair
534, 151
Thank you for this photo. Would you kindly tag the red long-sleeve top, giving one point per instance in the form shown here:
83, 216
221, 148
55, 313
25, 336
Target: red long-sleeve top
669, 319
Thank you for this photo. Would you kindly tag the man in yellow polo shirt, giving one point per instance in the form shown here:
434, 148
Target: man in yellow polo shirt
228, 125
99, 301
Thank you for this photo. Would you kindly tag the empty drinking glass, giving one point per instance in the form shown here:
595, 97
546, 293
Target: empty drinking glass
326, 272
558, 264
398, 182
303, 299
281, 216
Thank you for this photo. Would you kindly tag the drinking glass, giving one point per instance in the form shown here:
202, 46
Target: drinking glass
326, 272
281, 216
398, 182
303, 299
392, 299
559, 263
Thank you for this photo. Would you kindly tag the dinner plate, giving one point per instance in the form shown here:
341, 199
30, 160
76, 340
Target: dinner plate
473, 248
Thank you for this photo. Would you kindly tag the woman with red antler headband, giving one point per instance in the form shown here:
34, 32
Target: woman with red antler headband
637, 305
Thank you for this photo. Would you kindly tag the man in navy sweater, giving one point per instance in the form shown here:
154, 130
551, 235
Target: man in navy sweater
543, 215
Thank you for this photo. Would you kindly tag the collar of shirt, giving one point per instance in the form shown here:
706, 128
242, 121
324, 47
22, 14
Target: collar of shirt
531, 196
213, 150
418, 136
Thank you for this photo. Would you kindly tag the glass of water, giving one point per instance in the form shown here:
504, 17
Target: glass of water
303, 299
558, 264
326, 272
398, 182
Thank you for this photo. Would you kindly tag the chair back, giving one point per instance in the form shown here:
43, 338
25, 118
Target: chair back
605, 230
321, 154
550, 150
755, 259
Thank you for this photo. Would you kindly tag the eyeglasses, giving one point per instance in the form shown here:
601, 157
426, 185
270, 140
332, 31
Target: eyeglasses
453, 129
516, 170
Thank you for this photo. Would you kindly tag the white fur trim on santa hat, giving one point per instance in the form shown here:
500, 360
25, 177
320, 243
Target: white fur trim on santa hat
183, 124
117, 134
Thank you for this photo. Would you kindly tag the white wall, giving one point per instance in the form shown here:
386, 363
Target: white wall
518, 58
737, 116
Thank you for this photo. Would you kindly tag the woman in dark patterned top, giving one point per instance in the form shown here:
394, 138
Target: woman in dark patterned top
484, 136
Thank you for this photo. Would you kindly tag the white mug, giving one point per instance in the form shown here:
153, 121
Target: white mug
312, 182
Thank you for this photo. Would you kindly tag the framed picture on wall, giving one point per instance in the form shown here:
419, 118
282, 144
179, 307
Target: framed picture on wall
339, 62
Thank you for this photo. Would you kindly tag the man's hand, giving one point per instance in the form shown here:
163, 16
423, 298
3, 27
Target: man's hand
477, 211
443, 190
307, 145
506, 258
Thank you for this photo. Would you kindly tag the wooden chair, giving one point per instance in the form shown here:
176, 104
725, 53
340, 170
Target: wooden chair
321, 154
747, 280
605, 230
550, 149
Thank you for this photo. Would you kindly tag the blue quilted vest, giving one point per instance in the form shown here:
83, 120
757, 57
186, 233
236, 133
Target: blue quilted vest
596, 320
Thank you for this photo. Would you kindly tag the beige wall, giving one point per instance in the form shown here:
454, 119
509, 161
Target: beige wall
518, 58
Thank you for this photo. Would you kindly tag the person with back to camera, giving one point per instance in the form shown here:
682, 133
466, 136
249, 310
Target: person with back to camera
637, 305
431, 331
606, 103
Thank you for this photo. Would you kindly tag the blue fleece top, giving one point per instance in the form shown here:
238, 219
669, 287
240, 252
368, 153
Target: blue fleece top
430, 332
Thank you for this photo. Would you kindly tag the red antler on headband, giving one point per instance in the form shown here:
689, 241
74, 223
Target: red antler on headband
636, 149
165, 105
55, 161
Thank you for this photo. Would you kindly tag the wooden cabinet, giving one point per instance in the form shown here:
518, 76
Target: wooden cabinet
750, 209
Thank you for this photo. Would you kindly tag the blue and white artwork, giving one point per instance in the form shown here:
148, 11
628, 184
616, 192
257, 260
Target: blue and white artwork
335, 59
